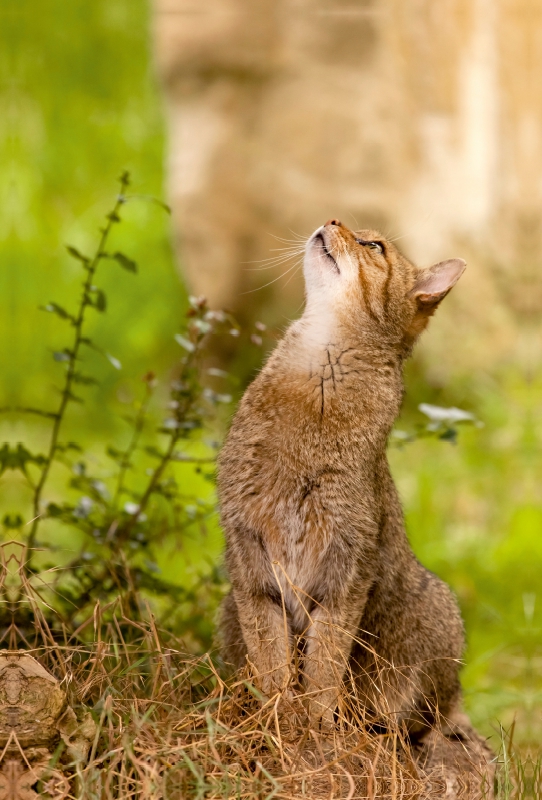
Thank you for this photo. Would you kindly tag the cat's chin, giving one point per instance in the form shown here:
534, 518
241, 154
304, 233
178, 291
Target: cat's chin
321, 268
323, 250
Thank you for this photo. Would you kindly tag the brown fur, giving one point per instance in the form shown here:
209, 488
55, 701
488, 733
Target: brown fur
324, 582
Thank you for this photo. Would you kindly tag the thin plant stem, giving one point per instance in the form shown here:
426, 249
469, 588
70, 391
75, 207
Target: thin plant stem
134, 441
78, 340
180, 415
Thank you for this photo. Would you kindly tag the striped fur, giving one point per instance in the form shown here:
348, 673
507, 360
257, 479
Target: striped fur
324, 583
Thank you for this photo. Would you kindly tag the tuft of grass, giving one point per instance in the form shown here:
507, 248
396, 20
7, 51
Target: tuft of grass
168, 725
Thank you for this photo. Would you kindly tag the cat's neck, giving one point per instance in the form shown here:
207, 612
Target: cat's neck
338, 374
320, 336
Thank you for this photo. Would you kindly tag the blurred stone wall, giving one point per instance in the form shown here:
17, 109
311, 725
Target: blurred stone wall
422, 119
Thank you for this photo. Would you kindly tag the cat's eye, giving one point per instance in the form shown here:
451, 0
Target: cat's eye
373, 245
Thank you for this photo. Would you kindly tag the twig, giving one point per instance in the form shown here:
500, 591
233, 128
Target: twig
78, 340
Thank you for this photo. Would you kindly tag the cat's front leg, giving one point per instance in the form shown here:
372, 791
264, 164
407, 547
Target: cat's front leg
268, 639
329, 641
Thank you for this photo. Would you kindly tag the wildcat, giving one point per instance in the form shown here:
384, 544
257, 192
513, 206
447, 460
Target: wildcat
322, 573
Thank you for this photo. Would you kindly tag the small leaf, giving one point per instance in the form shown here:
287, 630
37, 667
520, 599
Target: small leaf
61, 356
100, 488
83, 508
116, 363
202, 325
449, 415
171, 424
213, 397
63, 447
113, 453
190, 346
189, 424
12, 522
54, 510
148, 199
86, 380
74, 252
18, 458
400, 436
217, 373
124, 178
73, 397
153, 451
39, 412
101, 300
113, 217
54, 308
216, 316
125, 262
449, 435
197, 303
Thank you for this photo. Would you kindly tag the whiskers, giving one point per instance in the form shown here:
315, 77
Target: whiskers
297, 237
293, 250
294, 269
283, 254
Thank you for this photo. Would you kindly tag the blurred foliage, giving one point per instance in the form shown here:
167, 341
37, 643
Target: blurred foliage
80, 104
474, 517
119, 516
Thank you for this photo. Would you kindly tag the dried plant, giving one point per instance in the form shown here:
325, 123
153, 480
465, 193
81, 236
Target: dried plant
168, 725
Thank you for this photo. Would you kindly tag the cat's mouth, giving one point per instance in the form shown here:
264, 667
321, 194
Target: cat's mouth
321, 243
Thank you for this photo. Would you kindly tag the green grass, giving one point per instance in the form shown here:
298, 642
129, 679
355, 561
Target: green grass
473, 517
83, 105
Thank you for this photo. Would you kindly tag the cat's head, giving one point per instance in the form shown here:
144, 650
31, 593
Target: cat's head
365, 283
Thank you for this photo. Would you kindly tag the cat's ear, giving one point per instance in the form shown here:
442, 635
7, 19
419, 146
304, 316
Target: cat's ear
432, 285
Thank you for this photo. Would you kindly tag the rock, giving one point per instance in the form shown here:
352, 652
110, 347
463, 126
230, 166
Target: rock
34, 717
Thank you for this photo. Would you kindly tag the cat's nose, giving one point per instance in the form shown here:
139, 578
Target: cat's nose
333, 222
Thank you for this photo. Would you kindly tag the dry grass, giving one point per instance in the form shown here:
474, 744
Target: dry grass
169, 726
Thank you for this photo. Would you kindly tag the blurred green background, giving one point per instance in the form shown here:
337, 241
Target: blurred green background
81, 103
